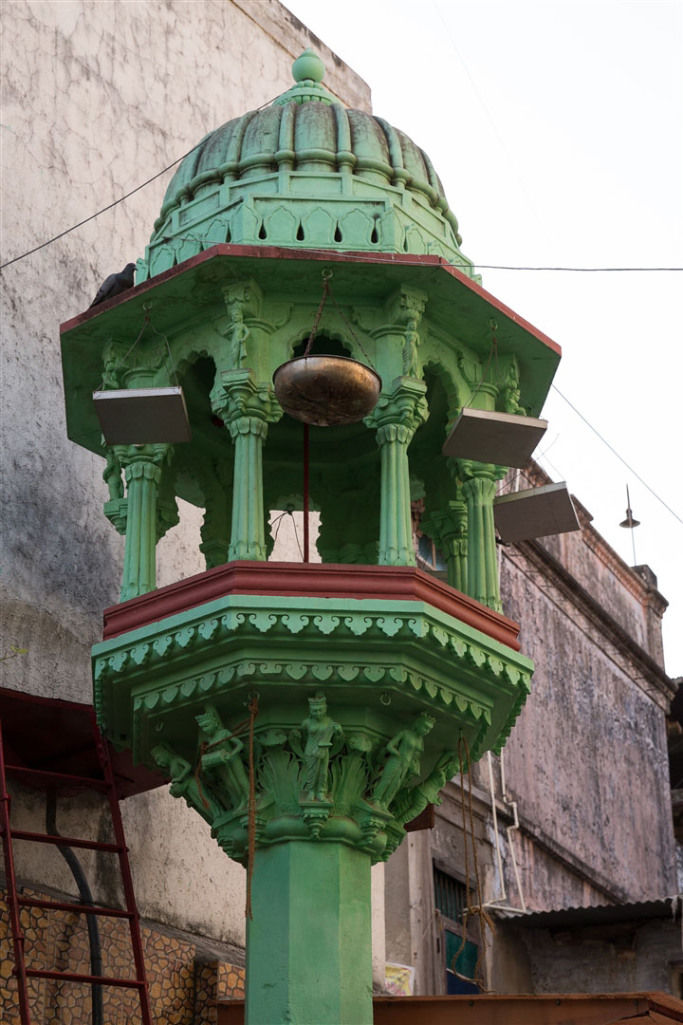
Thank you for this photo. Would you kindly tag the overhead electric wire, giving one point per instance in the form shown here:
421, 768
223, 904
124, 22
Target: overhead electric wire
92, 217
109, 206
615, 453
478, 266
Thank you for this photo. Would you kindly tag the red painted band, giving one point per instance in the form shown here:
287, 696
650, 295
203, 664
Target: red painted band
312, 580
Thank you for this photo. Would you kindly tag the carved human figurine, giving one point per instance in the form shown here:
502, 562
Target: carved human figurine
427, 792
510, 391
184, 782
404, 751
323, 739
221, 757
111, 475
410, 346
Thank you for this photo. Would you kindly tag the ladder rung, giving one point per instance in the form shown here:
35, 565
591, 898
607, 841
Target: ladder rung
102, 980
81, 909
66, 779
65, 841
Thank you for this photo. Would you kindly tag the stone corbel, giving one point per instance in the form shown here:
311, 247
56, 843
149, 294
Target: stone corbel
134, 362
509, 387
243, 305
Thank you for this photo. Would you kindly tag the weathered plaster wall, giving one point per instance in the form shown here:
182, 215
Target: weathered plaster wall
97, 98
587, 759
629, 958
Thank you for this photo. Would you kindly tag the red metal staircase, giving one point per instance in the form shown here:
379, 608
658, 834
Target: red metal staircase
35, 751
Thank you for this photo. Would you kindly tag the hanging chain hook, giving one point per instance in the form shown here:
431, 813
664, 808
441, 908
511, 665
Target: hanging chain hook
326, 275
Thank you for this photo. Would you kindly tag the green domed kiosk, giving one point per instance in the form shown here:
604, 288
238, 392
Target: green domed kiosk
307, 711
305, 173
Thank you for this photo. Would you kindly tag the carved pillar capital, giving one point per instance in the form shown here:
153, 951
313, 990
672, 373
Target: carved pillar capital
242, 425
314, 782
405, 405
238, 394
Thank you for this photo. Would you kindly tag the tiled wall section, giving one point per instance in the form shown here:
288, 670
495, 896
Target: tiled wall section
182, 987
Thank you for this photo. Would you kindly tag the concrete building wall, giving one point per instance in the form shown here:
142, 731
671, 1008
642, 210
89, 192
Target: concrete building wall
584, 774
629, 957
587, 758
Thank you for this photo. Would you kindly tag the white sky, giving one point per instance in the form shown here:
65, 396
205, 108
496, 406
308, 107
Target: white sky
557, 130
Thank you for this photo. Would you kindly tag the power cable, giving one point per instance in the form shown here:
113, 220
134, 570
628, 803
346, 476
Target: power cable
92, 217
615, 453
116, 202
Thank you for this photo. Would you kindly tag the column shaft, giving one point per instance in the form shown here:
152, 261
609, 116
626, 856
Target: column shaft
248, 540
139, 566
309, 958
395, 532
482, 559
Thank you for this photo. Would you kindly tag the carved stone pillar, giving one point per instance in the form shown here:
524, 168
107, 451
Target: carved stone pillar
479, 489
397, 417
142, 465
326, 806
449, 528
246, 408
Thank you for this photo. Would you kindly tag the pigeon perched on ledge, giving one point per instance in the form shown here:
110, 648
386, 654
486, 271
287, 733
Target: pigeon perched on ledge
115, 284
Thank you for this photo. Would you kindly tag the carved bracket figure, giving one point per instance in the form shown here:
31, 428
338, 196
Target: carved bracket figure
185, 784
404, 752
221, 758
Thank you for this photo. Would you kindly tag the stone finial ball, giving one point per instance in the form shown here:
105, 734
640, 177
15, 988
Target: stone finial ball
308, 67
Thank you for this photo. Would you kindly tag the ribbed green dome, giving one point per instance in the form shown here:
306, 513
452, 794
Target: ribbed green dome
305, 172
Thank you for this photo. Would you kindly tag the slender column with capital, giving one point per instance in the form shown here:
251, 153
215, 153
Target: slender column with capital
396, 417
246, 409
479, 489
449, 529
142, 465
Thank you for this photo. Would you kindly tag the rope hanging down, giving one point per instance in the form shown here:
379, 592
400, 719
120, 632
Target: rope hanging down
472, 910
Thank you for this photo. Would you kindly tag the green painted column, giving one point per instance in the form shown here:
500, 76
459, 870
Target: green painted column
479, 490
397, 417
449, 530
246, 408
143, 469
309, 957
248, 538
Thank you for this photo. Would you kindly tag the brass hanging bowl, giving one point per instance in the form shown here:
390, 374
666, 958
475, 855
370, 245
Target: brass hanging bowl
326, 390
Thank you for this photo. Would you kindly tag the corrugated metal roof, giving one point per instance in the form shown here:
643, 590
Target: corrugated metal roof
596, 914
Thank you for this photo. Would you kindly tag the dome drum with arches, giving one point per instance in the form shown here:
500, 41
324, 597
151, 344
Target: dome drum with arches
305, 172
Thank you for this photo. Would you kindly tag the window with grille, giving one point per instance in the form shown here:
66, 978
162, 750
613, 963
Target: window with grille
460, 952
